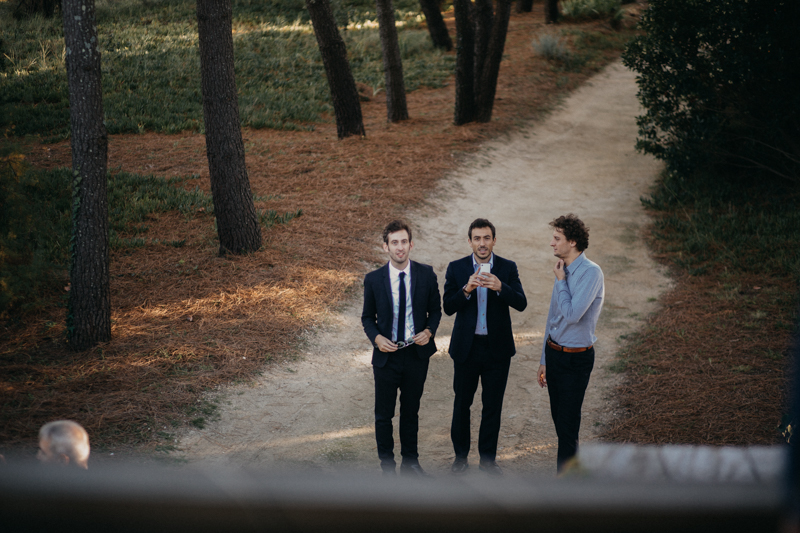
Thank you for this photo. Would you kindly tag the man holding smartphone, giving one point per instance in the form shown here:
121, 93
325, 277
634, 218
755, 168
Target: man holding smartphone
402, 310
480, 289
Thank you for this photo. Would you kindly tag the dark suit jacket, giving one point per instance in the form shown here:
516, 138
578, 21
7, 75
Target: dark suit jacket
377, 314
498, 318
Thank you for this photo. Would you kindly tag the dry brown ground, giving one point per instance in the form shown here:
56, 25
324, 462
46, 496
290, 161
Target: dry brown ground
710, 366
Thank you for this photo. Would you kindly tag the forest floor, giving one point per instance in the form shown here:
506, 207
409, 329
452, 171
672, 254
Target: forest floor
281, 324
318, 412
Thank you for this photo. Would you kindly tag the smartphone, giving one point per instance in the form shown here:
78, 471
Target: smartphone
485, 268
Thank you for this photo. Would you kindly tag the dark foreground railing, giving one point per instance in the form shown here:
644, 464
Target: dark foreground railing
150, 499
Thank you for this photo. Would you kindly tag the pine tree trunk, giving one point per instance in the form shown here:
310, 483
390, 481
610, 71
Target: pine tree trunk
89, 319
237, 223
551, 11
396, 107
483, 27
465, 63
494, 56
524, 6
436, 26
346, 102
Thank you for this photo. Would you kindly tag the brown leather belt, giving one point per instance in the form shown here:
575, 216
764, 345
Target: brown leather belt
566, 349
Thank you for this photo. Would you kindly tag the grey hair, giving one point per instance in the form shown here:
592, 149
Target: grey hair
67, 438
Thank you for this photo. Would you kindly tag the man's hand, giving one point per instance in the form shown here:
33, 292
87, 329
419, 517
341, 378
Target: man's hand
472, 284
422, 338
384, 344
542, 376
490, 281
559, 270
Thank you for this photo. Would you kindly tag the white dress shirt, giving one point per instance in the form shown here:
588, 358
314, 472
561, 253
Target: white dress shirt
394, 277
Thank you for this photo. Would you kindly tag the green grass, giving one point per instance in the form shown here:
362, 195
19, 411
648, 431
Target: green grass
737, 225
151, 66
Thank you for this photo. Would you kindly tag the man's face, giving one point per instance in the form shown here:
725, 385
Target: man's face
399, 247
561, 246
482, 243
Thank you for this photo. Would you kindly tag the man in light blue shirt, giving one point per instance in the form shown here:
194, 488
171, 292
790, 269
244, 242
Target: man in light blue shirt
568, 350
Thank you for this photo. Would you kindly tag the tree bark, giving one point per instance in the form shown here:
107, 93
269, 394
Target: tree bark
465, 63
436, 26
346, 102
89, 317
396, 107
551, 11
237, 222
483, 27
524, 6
494, 56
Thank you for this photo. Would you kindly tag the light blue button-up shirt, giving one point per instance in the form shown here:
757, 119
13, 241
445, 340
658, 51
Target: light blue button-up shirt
394, 277
480, 326
575, 305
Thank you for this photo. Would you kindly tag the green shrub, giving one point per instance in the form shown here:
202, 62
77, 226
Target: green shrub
718, 81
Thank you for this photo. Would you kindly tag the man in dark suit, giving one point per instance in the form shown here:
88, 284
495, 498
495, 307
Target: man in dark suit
402, 310
481, 288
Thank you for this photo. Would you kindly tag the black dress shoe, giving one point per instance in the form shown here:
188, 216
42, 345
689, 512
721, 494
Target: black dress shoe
491, 468
413, 471
460, 465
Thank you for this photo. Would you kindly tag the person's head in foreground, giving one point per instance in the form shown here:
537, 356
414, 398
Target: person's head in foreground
64, 442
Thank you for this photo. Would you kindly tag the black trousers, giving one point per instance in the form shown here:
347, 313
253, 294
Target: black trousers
407, 372
567, 378
493, 376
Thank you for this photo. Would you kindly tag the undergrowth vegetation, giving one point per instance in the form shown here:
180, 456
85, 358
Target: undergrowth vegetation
35, 223
586, 52
711, 223
151, 65
592, 9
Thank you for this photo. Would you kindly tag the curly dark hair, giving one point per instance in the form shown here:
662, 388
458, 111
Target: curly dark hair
480, 223
573, 229
393, 226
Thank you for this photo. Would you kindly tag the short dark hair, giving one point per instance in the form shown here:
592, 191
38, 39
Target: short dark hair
393, 226
573, 229
480, 223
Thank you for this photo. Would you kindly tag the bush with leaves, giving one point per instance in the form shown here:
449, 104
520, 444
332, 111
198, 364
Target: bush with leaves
718, 81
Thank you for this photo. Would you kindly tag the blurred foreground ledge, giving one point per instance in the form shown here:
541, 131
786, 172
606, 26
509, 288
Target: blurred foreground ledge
615, 488
684, 464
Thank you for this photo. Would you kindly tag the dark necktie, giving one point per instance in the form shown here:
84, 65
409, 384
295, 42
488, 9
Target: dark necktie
401, 313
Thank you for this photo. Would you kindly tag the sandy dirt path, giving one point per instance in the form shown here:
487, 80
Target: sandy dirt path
317, 412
